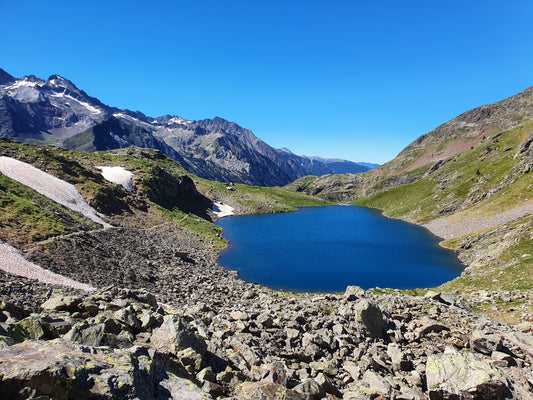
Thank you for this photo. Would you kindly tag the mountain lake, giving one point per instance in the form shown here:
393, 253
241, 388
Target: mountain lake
325, 249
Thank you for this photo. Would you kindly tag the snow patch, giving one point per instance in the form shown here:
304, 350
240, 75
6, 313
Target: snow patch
23, 82
54, 188
125, 116
118, 175
12, 262
25, 94
92, 109
178, 120
222, 210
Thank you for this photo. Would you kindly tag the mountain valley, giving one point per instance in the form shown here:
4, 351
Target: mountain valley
166, 321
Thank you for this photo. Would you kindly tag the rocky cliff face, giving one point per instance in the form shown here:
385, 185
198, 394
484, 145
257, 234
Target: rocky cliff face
57, 112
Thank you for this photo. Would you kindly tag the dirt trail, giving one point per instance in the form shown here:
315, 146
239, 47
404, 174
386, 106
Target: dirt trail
446, 228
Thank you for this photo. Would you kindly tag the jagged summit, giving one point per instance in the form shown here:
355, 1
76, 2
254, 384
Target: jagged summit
56, 81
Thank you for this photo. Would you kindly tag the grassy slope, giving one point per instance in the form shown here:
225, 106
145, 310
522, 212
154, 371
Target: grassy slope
34, 217
23, 207
257, 199
467, 180
464, 178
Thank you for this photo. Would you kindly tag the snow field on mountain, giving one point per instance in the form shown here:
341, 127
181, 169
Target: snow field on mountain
222, 210
55, 189
12, 262
92, 109
118, 175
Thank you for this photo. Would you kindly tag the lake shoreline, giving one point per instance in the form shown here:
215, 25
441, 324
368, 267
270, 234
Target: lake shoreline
401, 241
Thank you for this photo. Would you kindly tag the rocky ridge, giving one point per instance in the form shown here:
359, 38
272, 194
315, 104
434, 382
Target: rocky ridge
55, 111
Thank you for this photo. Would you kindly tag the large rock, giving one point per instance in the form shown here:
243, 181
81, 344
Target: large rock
353, 293
128, 317
31, 328
428, 325
174, 335
267, 391
11, 312
180, 389
310, 389
464, 376
64, 370
62, 303
371, 317
83, 333
371, 386
485, 343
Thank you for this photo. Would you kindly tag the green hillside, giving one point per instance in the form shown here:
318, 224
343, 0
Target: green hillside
164, 193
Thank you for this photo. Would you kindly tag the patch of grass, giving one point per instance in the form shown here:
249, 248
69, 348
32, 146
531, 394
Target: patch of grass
258, 199
26, 216
191, 223
514, 268
408, 292
401, 200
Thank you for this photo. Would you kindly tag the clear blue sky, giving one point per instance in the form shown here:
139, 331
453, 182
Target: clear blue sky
352, 79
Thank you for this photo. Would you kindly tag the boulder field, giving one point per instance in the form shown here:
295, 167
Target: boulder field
257, 344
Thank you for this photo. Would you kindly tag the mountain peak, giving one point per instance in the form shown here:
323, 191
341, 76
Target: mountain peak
5, 78
56, 81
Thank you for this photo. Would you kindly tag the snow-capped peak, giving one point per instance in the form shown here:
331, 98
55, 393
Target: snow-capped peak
56, 81
179, 120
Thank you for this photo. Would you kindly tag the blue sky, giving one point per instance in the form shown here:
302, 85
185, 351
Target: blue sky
350, 79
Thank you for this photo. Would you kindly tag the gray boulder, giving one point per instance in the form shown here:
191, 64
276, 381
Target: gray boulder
82, 333
174, 335
464, 376
31, 327
62, 303
310, 389
485, 343
353, 293
11, 312
267, 391
60, 369
370, 316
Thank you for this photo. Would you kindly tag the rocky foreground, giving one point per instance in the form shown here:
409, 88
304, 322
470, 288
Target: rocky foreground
250, 342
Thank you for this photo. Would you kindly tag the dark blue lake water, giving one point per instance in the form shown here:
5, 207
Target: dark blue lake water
326, 249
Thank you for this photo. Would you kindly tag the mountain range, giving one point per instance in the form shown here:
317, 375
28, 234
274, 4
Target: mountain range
167, 322
56, 112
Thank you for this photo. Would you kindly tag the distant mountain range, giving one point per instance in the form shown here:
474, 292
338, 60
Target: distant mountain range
55, 111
